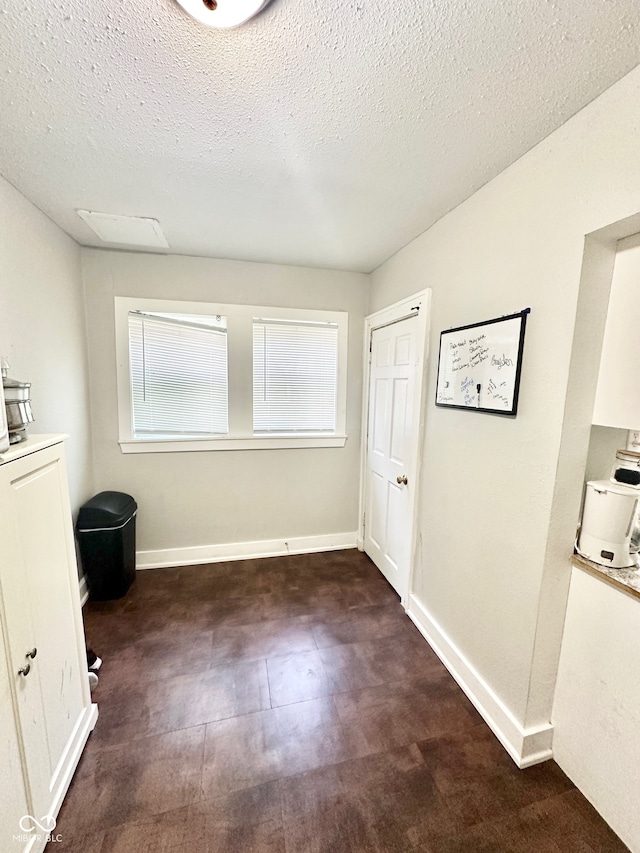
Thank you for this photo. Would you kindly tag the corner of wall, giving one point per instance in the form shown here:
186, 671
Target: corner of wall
595, 284
526, 745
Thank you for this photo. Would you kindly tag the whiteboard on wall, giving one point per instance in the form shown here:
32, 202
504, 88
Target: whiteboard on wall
480, 365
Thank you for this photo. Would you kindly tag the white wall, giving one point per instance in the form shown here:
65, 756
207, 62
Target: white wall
603, 443
500, 497
42, 328
220, 497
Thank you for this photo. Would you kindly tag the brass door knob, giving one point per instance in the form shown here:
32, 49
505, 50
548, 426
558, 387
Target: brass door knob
25, 670
402, 481
32, 653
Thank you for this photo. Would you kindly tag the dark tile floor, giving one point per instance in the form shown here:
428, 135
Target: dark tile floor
289, 705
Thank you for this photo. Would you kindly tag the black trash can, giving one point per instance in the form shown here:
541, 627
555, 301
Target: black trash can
106, 529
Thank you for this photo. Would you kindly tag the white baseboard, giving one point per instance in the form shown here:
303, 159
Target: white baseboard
84, 592
200, 554
525, 746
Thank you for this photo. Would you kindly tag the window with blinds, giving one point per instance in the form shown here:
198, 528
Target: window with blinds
295, 376
201, 376
178, 375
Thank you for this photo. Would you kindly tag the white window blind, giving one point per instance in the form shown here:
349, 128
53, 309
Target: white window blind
178, 375
295, 376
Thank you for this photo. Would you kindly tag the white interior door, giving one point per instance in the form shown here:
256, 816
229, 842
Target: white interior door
392, 442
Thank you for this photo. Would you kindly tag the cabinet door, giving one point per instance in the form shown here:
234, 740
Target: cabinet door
12, 790
40, 613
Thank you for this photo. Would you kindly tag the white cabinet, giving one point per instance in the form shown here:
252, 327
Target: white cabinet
617, 402
13, 796
596, 711
45, 704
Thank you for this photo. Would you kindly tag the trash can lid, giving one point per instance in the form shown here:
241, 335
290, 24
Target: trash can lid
104, 510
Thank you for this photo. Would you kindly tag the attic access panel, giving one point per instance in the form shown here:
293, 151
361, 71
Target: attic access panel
125, 230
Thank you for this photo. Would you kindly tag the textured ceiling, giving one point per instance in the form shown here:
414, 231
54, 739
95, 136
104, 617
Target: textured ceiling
322, 134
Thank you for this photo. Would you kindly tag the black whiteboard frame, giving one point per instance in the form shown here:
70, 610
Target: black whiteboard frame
516, 384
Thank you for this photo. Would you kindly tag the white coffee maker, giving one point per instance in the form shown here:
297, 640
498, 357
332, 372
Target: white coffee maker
610, 529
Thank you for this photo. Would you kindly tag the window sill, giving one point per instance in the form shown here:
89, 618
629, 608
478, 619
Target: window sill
181, 445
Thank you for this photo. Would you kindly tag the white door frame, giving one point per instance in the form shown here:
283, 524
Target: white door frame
417, 305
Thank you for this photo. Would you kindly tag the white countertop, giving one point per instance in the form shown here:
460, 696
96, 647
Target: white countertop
30, 445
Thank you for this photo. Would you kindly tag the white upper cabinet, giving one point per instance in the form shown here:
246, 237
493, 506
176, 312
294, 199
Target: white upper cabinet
618, 393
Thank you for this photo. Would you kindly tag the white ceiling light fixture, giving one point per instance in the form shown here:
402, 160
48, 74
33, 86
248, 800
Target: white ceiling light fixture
223, 14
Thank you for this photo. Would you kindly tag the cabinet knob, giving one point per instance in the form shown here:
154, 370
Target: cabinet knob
32, 653
25, 670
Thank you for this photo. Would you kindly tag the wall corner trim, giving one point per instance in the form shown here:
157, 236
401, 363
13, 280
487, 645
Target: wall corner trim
202, 554
526, 746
